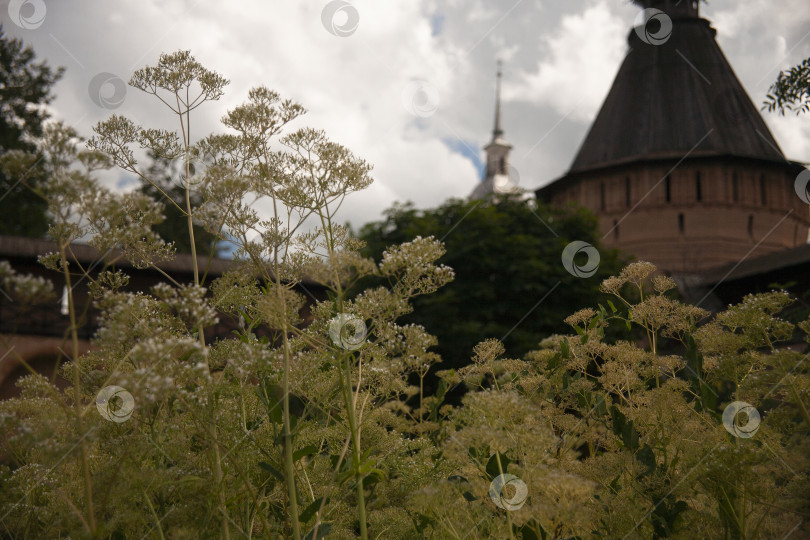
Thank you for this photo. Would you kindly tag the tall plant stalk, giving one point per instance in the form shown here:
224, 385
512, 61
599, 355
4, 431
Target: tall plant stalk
77, 397
346, 383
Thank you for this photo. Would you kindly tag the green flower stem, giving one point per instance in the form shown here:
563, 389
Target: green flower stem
77, 396
355, 434
508, 517
289, 465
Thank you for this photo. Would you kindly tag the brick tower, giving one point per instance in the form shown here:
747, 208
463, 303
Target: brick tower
679, 166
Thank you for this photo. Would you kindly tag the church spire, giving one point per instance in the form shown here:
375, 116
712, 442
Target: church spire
498, 149
498, 131
496, 177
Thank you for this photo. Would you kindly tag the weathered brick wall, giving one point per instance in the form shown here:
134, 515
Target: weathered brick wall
741, 209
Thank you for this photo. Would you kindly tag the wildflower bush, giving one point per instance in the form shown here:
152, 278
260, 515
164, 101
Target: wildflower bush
315, 431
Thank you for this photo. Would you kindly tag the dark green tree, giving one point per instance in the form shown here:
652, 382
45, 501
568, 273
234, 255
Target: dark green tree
174, 228
791, 90
510, 281
25, 86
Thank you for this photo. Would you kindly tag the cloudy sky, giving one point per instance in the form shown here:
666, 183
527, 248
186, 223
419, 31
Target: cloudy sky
406, 84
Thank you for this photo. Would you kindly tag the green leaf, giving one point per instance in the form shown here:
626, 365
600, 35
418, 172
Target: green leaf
492, 465
441, 392
601, 406
530, 530
272, 470
708, 397
554, 362
323, 530
614, 485
526, 532
665, 516
602, 312
421, 523
277, 512
366, 466
311, 510
272, 401
694, 360
343, 477
478, 454
646, 457
373, 477
619, 419
334, 458
303, 452
612, 307
624, 429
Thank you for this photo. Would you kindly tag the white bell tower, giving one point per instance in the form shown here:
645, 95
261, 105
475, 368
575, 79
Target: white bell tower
497, 176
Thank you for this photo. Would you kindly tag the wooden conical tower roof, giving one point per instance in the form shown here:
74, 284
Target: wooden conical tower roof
675, 98
678, 166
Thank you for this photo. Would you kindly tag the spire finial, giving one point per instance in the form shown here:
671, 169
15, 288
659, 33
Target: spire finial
498, 131
687, 8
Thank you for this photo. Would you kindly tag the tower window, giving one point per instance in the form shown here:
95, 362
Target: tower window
502, 165
615, 230
680, 223
735, 187
602, 196
627, 191
751, 226
698, 188
763, 191
668, 189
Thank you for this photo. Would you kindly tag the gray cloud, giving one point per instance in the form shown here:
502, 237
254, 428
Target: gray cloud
560, 58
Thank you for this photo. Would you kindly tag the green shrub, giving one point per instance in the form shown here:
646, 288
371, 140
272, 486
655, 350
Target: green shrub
316, 432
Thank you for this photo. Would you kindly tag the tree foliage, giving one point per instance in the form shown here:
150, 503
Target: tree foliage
509, 282
791, 91
25, 86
